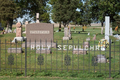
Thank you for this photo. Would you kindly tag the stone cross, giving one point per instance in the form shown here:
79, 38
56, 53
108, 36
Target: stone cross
18, 30
37, 17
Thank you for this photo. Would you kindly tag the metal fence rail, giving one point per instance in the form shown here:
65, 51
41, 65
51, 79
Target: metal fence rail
66, 57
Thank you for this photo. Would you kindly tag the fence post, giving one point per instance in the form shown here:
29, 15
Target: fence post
25, 57
109, 58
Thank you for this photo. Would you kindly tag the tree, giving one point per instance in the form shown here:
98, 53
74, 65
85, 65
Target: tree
31, 7
64, 10
52, 2
102, 8
8, 11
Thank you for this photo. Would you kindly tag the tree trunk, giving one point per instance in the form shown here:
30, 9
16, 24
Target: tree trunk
60, 26
10, 23
82, 28
102, 28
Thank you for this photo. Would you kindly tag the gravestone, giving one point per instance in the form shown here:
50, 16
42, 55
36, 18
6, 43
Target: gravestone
66, 34
107, 26
69, 34
25, 26
37, 17
18, 30
37, 32
14, 50
111, 32
94, 38
101, 59
18, 33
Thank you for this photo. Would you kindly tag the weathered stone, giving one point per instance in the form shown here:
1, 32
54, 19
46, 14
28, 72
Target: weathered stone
65, 38
18, 39
101, 59
39, 31
14, 50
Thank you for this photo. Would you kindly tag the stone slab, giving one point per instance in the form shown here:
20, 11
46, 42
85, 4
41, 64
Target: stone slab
14, 50
65, 38
101, 59
39, 31
80, 52
42, 44
18, 39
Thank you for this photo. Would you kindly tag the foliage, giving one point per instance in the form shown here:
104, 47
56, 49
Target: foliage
64, 10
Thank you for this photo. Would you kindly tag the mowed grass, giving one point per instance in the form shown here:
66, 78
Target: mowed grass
55, 62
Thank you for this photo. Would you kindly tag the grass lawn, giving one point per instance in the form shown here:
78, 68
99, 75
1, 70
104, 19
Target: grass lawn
55, 62
52, 78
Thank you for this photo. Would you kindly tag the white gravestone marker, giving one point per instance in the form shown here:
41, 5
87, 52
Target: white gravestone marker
37, 17
111, 33
107, 25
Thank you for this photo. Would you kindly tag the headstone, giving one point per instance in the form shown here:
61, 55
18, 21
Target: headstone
94, 38
37, 17
9, 31
40, 32
107, 26
111, 32
69, 34
88, 33
101, 59
25, 26
18, 30
14, 50
88, 39
66, 34
18, 33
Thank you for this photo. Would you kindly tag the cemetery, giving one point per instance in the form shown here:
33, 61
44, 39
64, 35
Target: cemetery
77, 44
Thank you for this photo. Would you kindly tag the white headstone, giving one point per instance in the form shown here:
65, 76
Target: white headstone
37, 17
111, 33
107, 26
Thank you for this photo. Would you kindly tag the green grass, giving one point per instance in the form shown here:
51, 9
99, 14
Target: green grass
54, 64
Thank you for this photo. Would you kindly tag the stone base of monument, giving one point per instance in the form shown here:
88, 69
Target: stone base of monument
18, 39
14, 50
65, 38
38, 44
43, 51
80, 52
